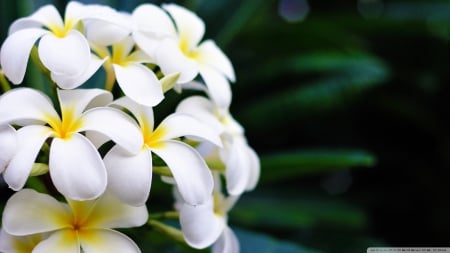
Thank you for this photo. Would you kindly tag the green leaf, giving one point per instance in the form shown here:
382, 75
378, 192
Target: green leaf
304, 212
251, 242
277, 167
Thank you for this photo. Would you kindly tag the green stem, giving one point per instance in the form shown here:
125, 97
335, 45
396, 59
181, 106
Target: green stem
169, 231
165, 215
162, 170
5, 84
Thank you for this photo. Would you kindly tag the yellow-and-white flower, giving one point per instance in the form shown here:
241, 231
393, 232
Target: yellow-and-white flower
75, 166
63, 49
129, 176
177, 48
85, 225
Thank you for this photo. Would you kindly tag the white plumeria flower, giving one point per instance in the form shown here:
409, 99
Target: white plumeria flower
85, 225
75, 166
126, 66
19, 244
242, 165
129, 176
8, 145
176, 47
207, 224
62, 48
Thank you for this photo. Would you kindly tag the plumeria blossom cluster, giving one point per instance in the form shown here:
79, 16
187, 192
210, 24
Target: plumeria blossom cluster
99, 148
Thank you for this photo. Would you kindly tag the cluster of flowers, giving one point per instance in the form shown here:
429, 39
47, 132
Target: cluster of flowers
147, 53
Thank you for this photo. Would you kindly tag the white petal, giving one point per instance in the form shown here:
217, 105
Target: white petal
237, 168
129, 176
179, 124
24, 104
30, 141
29, 212
8, 145
139, 83
227, 242
125, 132
69, 55
153, 20
254, 169
61, 241
210, 54
99, 12
104, 33
218, 86
71, 82
103, 240
171, 59
192, 175
190, 27
200, 226
143, 114
47, 15
202, 109
80, 99
110, 212
18, 244
76, 168
15, 52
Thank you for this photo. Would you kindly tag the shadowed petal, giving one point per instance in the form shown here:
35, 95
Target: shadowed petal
192, 175
76, 168
61, 241
15, 52
210, 54
139, 83
227, 242
103, 240
129, 176
218, 86
8, 145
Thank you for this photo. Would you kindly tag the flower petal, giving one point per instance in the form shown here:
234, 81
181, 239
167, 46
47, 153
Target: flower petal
254, 169
61, 241
237, 168
15, 52
110, 212
80, 99
104, 240
153, 20
201, 108
46, 15
227, 242
179, 124
210, 54
104, 33
76, 168
125, 132
171, 59
28, 104
29, 212
129, 176
143, 114
139, 83
200, 226
8, 145
192, 175
30, 140
69, 55
71, 82
18, 244
218, 86
190, 27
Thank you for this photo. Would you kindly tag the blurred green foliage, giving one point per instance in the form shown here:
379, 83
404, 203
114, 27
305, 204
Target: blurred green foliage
347, 106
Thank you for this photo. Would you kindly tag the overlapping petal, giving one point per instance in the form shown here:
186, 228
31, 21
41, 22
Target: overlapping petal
15, 52
218, 86
125, 133
76, 168
30, 140
46, 15
129, 176
81, 99
29, 212
69, 55
8, 145
193, 177
201, 227
227, 242
210, 54
238, 168
104, 240
143, 114
60, 241
139, 83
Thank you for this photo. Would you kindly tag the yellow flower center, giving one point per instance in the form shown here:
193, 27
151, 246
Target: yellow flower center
61, 31
152, 139
67, 126
191, 53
